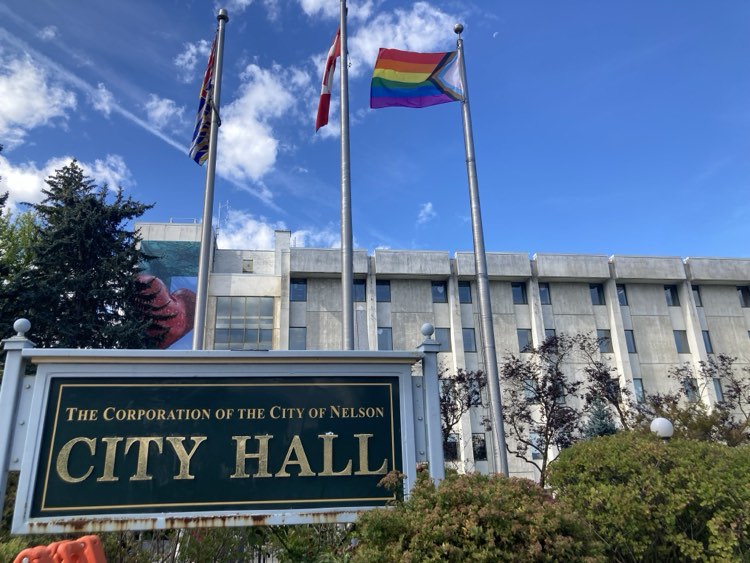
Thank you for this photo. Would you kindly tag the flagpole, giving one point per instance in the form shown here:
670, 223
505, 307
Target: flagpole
347, 276
204, 263
483, 286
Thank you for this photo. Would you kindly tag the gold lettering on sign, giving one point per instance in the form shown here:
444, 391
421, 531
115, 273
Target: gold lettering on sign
64, 457
328, 458
300, 459
108, 473
364, 466
141, 472
183, 455
262, 456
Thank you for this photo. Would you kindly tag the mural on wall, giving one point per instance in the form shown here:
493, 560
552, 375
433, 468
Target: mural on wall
171, 273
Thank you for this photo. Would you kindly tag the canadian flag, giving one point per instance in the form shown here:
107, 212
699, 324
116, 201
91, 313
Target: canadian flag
325, 90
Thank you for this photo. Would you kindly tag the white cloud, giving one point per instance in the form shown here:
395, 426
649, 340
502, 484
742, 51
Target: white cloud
242, 230
47, 33
249, 146
426, 213
102, 99
24, 182
331, 10
187, 61
161, 112
29, 100
421, 28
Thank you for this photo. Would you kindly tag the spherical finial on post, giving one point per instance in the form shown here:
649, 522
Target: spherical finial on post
458, 29
222, 15
662, 427
22, 326
427, 330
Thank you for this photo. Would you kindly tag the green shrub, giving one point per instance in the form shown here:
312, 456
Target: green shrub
651, 501
474, 518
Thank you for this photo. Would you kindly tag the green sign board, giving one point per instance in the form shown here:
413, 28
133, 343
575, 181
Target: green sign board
120, 445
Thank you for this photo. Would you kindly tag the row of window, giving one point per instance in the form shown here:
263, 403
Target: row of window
298, 292
478, 445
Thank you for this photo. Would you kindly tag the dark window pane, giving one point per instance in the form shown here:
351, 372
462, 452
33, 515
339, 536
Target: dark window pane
464, 292
597, 293
519, 293
479, 446
544, 294
266, 307
744, 293
718, 390
549, 333
470, 343
439, 292
670, 293
385, 338
605, 341
697, 296
681, 342
358, 290
383, 291
622, 295
450, 448
630, 341
297, 290
640, 393
524, 339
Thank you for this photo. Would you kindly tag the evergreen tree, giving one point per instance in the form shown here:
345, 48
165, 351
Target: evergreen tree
80, 288
600, 421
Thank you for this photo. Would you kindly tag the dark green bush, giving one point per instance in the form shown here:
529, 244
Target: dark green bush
683, 500
474, 518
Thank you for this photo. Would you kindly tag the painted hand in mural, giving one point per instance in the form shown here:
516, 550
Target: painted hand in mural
177, 308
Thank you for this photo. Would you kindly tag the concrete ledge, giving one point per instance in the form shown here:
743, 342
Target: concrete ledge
500, 265
572, 267
648, 268
719, 270
412, 264
323, 261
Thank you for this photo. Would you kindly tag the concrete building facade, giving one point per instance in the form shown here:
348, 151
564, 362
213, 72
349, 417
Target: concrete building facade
658, 312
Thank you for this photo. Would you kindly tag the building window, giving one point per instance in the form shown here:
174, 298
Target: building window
450, 448
697, 296
297, 290
529, 391
558, 392
359, 290
536, 442
544, 294
640, 393
670, 293
383, 291
622, 295
385, 338
549, 333
691, 389
744, 293
681, 342
244, 323
470, 341
707, 342
630, 342
297, 338
718, 390
479, 446
464, 292
439, 292
605, 341
519, 293
597, 293
524, 339
443, 337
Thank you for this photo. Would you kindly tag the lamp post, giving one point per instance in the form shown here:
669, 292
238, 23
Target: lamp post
662, 427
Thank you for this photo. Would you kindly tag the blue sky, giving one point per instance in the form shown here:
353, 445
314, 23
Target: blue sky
600, 127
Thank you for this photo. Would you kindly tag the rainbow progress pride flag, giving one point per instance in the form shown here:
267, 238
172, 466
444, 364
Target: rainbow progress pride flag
415, 80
